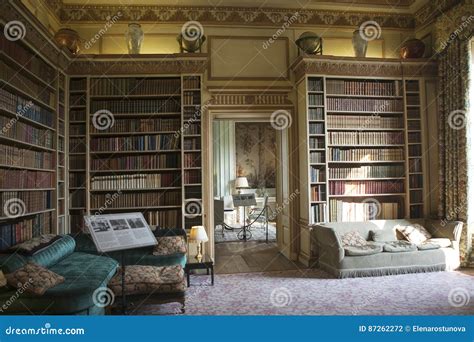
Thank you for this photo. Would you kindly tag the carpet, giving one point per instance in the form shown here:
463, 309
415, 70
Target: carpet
313, 292
258, 233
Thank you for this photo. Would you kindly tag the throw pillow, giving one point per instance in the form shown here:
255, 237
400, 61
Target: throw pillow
414, 233
441, 242
34, 279
170, 245
353, 238
34, 245
383, 235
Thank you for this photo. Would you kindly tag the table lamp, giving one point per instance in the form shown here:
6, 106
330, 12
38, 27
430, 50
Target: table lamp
199, 235
241, 183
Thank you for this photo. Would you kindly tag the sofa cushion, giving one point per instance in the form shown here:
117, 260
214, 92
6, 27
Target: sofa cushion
34, 245
34, 279
383, 235
399, 246
368, 249
353, 238
141, 279
170, 245
414, 233
46, 257
427, 246
442, 242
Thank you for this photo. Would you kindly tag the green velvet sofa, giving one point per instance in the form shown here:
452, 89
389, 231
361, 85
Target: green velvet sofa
83, 273
333, 258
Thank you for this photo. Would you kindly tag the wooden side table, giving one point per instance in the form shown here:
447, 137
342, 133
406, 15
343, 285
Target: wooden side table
205, 264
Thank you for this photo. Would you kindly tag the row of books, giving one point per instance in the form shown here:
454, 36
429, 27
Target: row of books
414, 137
365, 187
77, 162
365, 87
315, 100
415, 165
318, 213
416, 211
316, 128
316, 113
76, 84
192, 160
77, 99
366, 138
192, 144
77, 115
23, 132
414, 150
192, 114
169, 218
157, 142
77, 199
412, 85
315, 84
19, 80
135, 86
191, 128
317, 175
77, 145
191, 98
416, 196
365, 154
78, 129
414, 125
344, 211
25, 202
142, 162
413, 100
14, 156
136, 181
192, 82
25, 179
364, 105
318, 192
28, 59
317, 157
367, 171
26, 229
136, 200
416, 181
316, 142
171, 105
192, 177
363, 121
25, 108
141, 125
413, 113
77, 180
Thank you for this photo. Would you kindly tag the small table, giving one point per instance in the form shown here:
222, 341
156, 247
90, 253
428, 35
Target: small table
206, 263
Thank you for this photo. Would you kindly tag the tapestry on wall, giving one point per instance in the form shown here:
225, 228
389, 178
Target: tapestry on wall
255, 148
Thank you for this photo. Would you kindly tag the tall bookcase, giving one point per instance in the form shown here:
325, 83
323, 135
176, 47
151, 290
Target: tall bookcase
61, 155
28, 143
135, 145
364, 148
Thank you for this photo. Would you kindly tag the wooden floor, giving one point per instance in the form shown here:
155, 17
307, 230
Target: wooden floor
251, 256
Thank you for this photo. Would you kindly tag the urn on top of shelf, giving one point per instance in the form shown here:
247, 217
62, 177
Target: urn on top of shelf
359, 43
68, 39
134, 38
412, 48
310, 43
191, 37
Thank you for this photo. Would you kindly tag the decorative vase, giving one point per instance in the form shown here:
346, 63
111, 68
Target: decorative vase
359, 43
134, 38
310, 43
68, 39
412, 48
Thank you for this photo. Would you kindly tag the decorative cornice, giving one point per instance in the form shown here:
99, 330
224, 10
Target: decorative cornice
432, 9
143, 64
250, 96
457, 23
69, 13
368, 67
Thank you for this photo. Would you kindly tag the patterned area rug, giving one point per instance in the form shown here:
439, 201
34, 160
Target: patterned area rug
313, 292
258, 233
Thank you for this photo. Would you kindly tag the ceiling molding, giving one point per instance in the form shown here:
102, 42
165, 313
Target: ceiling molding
433, 9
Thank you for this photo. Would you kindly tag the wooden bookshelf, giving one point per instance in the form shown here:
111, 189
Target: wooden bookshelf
61, 155
28, 143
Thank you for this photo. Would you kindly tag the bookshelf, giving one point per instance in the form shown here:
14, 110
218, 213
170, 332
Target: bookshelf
28, 143
61, 155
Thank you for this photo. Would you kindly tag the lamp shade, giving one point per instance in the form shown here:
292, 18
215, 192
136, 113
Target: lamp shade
198, 233
241, 182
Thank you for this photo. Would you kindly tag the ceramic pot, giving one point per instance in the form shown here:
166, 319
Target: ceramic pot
68, 39
134, 38
412, 48
359, 44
